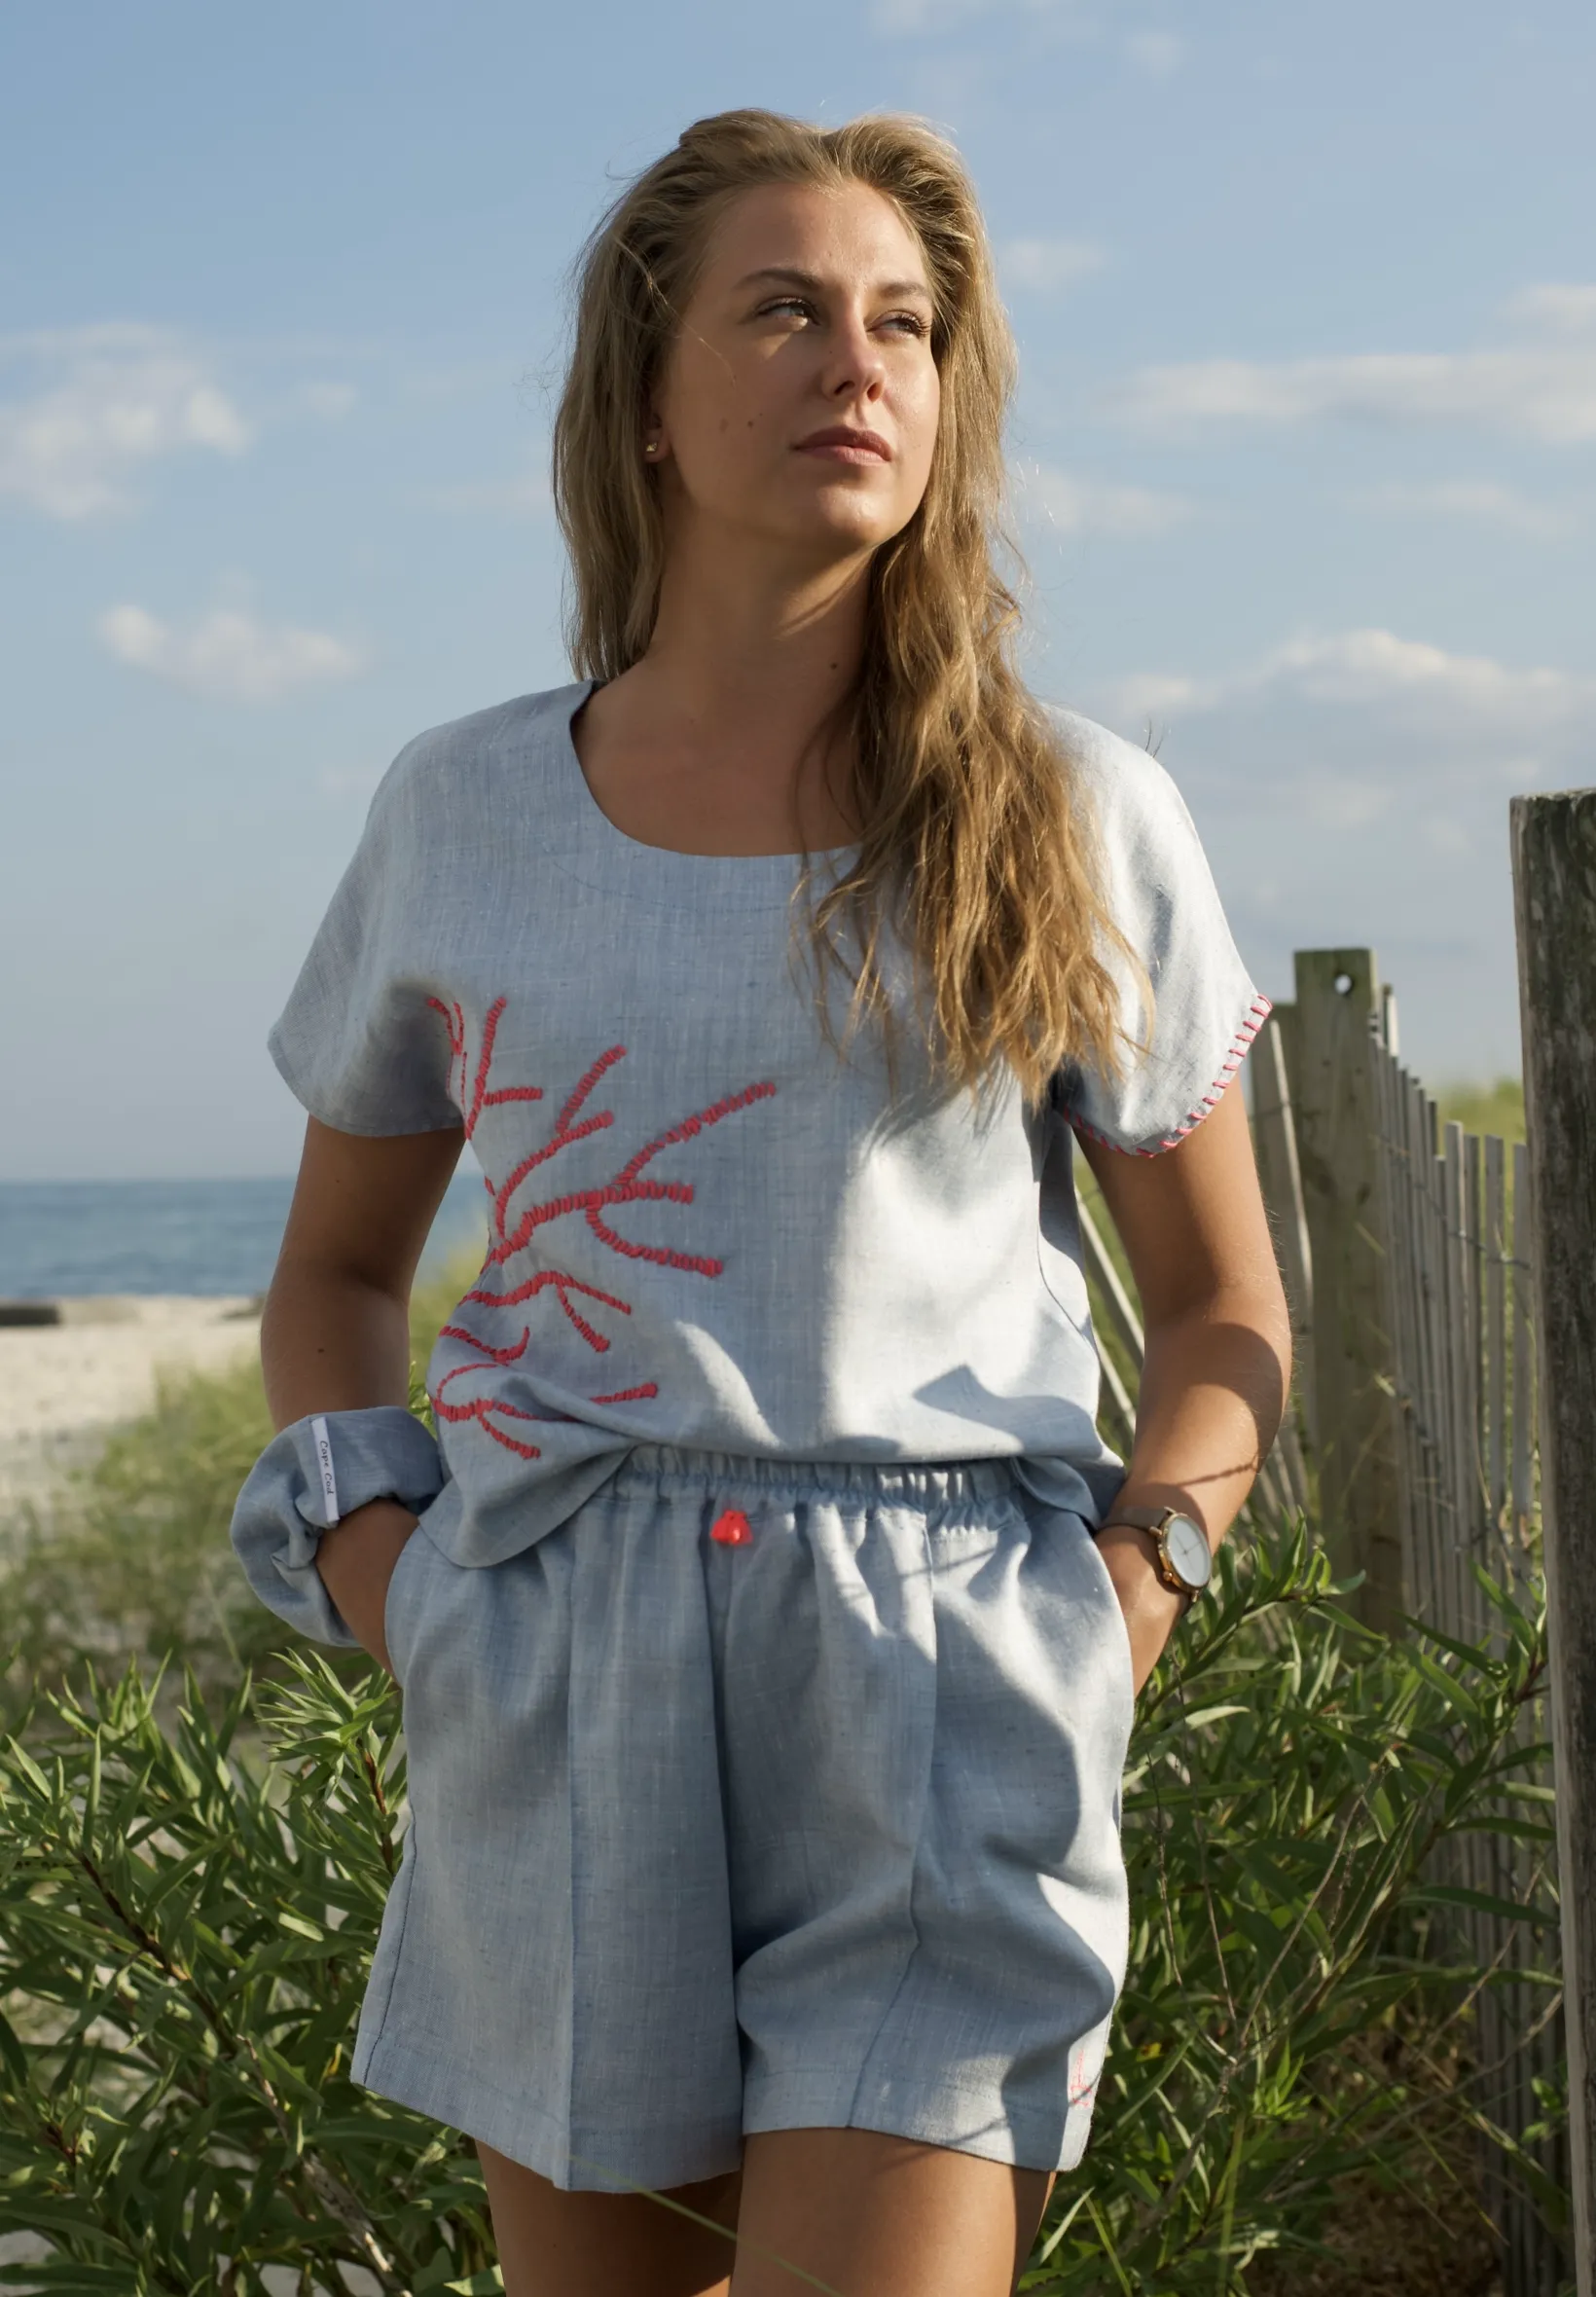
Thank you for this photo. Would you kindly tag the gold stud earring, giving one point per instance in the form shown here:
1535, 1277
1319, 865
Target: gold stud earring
651, 447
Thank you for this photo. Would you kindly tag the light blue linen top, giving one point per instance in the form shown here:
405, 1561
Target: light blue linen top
705, 1227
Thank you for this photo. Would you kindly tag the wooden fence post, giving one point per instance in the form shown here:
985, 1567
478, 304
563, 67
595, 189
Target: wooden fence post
1337, 1002
1280, 1175
1554, 888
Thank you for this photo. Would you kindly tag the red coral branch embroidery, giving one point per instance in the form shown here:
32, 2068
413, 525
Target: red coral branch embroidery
484, 1408
563, 1286
481, 1098
627, 1187
512, 1232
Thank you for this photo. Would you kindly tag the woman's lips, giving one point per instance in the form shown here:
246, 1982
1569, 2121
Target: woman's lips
846, 445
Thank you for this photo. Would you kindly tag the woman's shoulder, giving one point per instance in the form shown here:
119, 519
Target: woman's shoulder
1128, 788
467, 762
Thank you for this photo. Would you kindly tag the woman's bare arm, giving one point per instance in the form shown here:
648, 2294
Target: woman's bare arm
1218, 1350
334, 1335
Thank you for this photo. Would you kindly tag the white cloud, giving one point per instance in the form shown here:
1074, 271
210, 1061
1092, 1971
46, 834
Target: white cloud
330, 401
99, 403
1043, 267
526, 495
1482, 501
1462, 696
920, 16
1071, 505
1546, 390
1564, 307
228, 653
1157, 52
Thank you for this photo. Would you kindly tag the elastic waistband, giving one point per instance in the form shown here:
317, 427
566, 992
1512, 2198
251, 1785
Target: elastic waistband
668, 1468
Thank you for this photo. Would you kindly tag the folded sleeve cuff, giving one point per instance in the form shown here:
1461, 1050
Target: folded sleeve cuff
310, 1475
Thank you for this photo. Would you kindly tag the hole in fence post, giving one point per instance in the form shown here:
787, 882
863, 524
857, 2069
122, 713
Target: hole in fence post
1343, 984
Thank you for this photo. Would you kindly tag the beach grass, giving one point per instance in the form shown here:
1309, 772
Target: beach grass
1485, 1108
129, 1557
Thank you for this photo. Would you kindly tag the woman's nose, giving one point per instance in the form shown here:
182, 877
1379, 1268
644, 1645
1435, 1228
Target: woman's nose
855, 363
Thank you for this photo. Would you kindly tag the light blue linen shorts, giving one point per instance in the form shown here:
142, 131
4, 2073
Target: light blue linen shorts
758, 1796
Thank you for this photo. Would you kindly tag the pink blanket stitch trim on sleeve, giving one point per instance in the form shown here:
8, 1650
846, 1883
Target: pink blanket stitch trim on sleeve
1257, 1013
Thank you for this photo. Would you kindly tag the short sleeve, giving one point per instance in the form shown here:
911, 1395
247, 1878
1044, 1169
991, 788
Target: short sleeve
1161, 895
357, 1042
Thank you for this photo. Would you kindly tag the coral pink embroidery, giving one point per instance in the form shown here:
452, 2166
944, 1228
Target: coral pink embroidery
733, 1529
514, 1225
480, 1099
563, 1285
1257, 1013
1080, 2087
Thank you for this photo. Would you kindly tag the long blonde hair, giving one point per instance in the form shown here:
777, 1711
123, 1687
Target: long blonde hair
973, 836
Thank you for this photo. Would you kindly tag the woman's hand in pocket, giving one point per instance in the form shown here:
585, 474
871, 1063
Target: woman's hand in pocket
357, 1560
1152, 1610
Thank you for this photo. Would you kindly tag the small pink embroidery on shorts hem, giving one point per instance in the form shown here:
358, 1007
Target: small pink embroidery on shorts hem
732, 1529
1080, 2088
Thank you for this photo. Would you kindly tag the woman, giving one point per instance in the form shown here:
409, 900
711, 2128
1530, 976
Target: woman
770, 1621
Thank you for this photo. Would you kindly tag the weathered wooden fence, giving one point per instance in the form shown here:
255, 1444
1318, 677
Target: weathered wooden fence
1460, 1347
1405, 1246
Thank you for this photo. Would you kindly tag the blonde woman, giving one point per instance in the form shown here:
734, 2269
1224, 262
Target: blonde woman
768, 1611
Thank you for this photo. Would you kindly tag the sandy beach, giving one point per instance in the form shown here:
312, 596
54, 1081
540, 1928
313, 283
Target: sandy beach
64, 1386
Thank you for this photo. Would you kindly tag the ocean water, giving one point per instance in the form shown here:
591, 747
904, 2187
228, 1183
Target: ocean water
66, 1239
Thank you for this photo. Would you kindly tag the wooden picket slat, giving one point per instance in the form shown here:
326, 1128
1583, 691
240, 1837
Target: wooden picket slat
1280, 1175
1523, 1428
1496, 1334
1473, 1354
1422, 1381
1457, 1393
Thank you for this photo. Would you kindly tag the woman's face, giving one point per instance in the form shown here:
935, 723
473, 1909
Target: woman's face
799, 402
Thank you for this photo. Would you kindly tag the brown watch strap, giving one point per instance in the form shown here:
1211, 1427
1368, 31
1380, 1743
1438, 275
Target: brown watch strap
1151, 1519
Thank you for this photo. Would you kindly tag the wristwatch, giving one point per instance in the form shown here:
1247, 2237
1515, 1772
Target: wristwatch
1186, 1560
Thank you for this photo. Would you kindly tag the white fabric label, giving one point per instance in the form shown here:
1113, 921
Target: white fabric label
324, 1461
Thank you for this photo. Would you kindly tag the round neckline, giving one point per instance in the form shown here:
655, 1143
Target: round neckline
602, 837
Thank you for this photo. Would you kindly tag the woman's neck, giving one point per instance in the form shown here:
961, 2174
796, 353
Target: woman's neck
714, 741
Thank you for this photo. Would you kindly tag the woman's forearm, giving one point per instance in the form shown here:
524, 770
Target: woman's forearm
1214, 1386
336, 1332
1212, 1390
331, 1341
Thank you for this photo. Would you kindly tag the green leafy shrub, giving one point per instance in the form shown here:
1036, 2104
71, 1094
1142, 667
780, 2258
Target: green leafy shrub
1294, 2015
184, 1934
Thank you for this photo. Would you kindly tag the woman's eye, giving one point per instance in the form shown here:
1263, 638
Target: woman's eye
799, 307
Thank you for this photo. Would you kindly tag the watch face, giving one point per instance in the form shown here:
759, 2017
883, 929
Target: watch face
1189, 1550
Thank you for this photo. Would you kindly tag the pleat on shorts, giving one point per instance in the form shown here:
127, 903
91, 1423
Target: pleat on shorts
815, 1824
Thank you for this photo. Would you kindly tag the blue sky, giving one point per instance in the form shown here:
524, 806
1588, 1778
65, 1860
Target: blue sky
1306, 300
